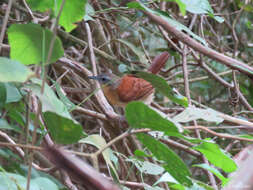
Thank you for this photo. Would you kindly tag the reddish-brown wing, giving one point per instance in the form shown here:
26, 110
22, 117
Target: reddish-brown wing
132, 88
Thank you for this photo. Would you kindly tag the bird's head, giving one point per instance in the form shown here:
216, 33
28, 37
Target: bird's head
105, 79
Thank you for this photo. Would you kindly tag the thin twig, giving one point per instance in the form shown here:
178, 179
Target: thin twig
5, 21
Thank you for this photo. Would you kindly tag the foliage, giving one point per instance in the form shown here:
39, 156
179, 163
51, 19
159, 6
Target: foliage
57, 101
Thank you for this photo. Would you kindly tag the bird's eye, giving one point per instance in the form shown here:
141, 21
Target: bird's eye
103, 79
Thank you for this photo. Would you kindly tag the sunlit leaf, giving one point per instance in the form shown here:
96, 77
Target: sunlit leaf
30, 44
216, 156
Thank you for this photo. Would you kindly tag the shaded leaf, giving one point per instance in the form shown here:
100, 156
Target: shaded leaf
140, 54
45, 183
49, 100
13, 71
15, 182
172, 162
99, 142
223, 179
166, 177
62, 129
147, 167
3, 94
193, 113
13, 94
139, 115
198, 6
89, 11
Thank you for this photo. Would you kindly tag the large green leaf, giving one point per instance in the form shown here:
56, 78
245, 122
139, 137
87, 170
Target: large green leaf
49, 100
62, 129
216, 172
30, 44
162, 86
139, 115
45, 183
42, 6
15, 182
13, 71
172, 162
73, 11
216, 156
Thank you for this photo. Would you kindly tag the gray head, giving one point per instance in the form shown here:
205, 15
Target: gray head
102, 78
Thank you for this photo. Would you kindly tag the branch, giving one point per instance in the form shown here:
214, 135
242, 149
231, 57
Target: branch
228, 61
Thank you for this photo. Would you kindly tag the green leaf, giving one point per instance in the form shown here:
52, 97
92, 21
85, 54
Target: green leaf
223, 179
3, 94
99, 142
146, 167
13, 94
139, 115
63, 98
5, 125
216, 156
73, 11
140, 54
166, 177
45, 183
201, 7
140, 153
30, 44
89, 11
13, 71
49, 100
172, 162
42, 6
162, 86
181, 4
193, 113
135, 5
198, 6
62, 130
15, 182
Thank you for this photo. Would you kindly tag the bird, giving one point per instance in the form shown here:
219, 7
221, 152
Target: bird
120, 91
